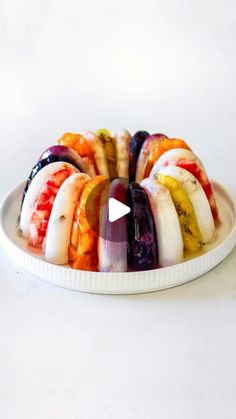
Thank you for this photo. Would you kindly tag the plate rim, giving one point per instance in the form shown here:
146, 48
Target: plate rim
85, 281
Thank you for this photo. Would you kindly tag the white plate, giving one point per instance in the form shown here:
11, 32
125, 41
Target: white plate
117, 283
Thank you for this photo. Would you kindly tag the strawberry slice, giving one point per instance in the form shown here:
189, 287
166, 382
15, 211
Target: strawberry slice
43, 206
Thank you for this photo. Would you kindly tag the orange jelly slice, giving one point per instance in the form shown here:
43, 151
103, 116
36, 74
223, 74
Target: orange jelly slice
80, 145
77, 142
84, 238
164, 145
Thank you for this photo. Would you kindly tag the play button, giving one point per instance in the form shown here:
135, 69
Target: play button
106, 210
116, 210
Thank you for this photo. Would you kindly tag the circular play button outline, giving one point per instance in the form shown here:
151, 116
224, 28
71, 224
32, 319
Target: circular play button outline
116, 210
106, 209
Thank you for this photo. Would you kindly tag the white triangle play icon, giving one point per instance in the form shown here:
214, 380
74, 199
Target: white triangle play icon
116, 209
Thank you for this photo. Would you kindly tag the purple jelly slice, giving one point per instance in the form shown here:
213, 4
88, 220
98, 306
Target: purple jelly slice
53, 154
113, 256
142, 239
136, 143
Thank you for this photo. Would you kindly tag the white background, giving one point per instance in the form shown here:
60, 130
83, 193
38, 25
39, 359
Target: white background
164, 66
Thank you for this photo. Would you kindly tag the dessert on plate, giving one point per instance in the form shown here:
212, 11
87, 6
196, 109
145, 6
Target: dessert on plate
65, 211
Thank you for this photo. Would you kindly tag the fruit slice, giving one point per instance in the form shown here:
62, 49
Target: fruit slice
164, 145
84, 238
174, 154
136, 143
188, 222
60, 221
98, 152
142, 241
189, 161
36, 184
53, 154
169, 235
110, 149
112, 245
198, 199
62, 153
122, 142
43, 206
82, 147
151, 142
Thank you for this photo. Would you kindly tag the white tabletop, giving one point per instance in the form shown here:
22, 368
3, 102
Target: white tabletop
160, 66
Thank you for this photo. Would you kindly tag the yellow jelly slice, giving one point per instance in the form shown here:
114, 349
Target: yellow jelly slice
110, 150
188, 221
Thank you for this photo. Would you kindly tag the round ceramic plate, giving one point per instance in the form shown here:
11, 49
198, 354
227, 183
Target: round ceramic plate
117, 283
